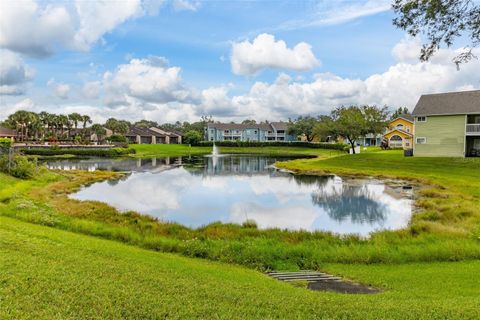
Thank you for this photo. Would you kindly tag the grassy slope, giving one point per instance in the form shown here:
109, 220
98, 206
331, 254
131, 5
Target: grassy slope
446, 230
50, 274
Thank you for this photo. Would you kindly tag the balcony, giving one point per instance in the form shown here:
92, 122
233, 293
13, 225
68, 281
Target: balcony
473, 129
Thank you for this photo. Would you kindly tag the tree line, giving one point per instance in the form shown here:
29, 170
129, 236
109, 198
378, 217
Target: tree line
349, 123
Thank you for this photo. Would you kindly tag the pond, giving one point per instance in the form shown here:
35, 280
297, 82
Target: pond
196, 191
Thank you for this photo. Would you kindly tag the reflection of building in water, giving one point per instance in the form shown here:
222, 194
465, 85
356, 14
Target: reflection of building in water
138, 165
237, 165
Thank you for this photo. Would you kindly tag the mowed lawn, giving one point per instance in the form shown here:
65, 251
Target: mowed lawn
46, 273
175, 150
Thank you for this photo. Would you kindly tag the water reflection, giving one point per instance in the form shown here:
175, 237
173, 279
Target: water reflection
199, 190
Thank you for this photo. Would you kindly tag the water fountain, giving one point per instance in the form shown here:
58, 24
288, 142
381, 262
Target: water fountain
214, 156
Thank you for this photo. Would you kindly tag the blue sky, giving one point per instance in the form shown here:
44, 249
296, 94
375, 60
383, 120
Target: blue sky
178, 59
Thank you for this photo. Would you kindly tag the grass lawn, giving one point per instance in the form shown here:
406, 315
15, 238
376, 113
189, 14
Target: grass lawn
167, 150
47, 273
172, 150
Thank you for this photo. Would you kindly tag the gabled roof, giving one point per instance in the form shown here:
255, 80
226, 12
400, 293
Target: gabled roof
5, 132
399, 131
281, 125
240, 126
170, 133
143, 132
405, 116
464, 102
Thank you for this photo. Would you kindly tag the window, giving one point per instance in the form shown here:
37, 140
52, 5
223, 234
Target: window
421, 140
421, 119
400, 126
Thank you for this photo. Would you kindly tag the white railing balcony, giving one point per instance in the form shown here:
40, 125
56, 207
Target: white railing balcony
473, 129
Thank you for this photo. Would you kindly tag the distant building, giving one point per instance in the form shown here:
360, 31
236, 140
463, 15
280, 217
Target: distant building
152, 136
274, 131
370, 140
448, 125
400, 132
8, 133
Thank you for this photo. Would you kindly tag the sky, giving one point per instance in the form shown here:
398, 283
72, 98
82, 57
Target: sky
178, 60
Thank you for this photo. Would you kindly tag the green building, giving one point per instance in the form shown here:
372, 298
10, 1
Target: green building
448, 125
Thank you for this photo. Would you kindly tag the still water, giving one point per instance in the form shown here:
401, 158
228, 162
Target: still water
232, 189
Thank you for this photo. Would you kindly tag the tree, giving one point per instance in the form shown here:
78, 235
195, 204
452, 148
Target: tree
192, 137
325, 128
303, 125
86, 119
21, 121
400, 111
100, 131
442, 22
353, 122
145, 124
118, 126
112, 124
249, 121
75, 118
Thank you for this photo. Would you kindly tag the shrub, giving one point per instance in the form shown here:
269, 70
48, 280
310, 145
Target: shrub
5, 144
54, 151
247, 144
19, 167
117, 138
192, 137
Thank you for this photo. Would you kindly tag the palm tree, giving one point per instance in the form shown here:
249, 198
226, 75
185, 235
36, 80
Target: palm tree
100, 131
21, 120
76, 118
86, 119
61, 121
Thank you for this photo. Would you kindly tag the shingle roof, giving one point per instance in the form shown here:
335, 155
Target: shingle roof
280, 125
465, 102
240, 126
4, 132
406, 116
143, 132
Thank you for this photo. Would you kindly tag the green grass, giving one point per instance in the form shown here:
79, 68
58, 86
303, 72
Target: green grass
167, 150
448, 234
51, 274
172, 150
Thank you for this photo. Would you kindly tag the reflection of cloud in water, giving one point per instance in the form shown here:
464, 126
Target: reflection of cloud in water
195, 196
293, 217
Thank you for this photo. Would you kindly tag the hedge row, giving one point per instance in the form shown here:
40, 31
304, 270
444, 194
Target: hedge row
246, 144
113, 152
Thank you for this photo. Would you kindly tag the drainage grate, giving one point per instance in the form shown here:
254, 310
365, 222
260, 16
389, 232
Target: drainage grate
306, 275
323, 281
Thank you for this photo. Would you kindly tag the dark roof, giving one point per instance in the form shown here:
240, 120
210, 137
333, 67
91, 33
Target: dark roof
143, 132
170, 133
280, 125
465, 102
240, 126
405, 116
4, 132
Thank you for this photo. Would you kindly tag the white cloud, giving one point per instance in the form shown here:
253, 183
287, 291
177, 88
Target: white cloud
148, 80
150, 88
60, 90
13, 73
91, 90
248, 58
329, 12
38, 28
181, 5
99, 17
